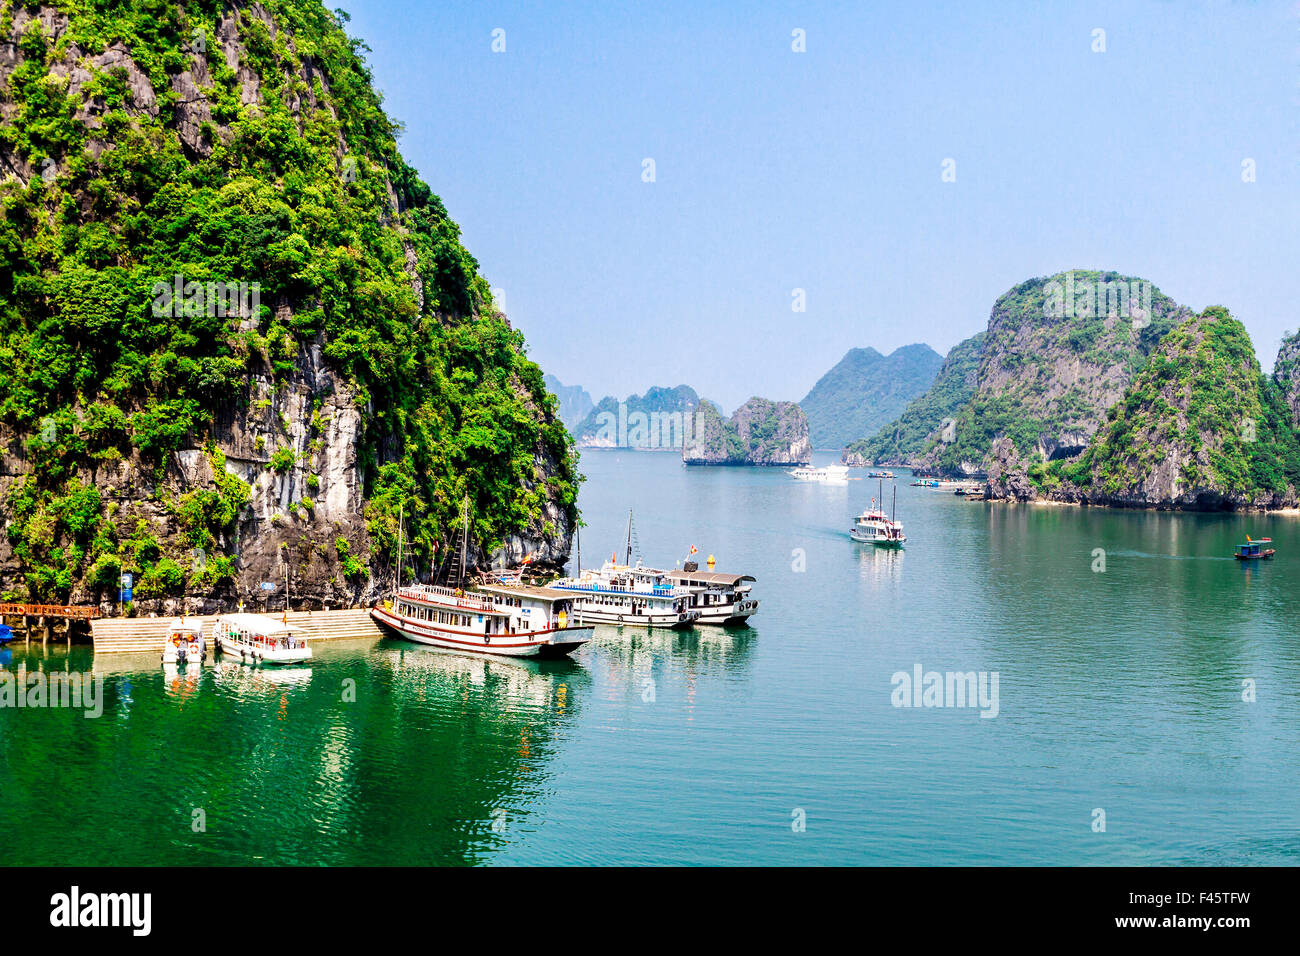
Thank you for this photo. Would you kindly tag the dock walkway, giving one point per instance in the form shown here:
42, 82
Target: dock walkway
132, 635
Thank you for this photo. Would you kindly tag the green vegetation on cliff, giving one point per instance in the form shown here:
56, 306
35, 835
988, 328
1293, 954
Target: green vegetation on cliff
760, 432
864, 391
146, 140
912, 434
1059, 351
1200, 418
653, 420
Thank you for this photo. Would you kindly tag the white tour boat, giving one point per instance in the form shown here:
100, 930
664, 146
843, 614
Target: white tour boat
185, 642
876, 527
259, 639
719, 598
509, 620
504, 617
833, 474
619, 594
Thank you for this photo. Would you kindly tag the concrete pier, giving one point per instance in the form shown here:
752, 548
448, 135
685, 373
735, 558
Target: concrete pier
132, 635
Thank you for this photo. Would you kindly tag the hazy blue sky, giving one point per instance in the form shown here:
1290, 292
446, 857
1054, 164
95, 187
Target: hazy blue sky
821, 170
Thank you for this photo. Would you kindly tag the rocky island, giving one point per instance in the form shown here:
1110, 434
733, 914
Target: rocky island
761, 432
1096, 388
240, 334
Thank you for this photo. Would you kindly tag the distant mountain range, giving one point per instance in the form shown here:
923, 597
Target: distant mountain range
653, 421
910, 435
865, 391
575, 402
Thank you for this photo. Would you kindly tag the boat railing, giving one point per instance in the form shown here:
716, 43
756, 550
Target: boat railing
448, 596
654, 590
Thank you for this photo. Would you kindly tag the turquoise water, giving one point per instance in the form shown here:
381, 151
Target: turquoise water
1118, 689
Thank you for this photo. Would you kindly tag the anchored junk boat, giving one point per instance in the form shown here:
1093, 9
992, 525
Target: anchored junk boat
506, 618
620, 594
719, 598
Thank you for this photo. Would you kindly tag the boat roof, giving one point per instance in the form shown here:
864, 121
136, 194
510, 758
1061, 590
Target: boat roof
710, 577
530, 591
186, 624
258, 623
471, 602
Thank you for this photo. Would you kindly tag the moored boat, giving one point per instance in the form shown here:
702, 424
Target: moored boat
185, 643
503, 617
719, 598
258, 639
514, 620
620, 594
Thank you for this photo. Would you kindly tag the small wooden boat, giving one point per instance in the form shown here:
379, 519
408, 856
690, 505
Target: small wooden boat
184, 643
1254, 550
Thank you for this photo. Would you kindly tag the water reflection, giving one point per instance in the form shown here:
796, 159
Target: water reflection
629, 655
879, 568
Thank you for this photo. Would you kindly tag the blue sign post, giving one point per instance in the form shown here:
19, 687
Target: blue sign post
125, 587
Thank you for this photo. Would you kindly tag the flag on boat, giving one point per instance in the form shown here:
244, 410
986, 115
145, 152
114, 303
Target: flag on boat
694, 550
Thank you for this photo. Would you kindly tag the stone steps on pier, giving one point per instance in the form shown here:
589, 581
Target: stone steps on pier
134, 635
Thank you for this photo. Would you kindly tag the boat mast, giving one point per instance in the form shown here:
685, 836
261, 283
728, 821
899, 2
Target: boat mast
577, 550
401, 514
628, 560
464, 535
893, 514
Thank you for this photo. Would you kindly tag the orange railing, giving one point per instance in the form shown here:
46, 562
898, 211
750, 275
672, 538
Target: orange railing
51, 610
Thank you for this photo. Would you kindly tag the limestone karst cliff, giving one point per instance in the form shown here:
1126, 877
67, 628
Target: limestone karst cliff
760, 432
240, 335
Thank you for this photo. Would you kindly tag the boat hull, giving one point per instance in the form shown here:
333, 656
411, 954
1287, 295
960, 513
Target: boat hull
552, 642
727, 615
667, 620
878, 542
257, 655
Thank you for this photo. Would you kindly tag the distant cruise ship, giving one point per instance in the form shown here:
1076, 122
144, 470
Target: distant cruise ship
830, 473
